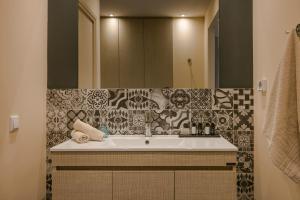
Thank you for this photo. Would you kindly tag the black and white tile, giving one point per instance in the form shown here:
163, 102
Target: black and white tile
245, 186
57, 131
138, 99
201, 99
180, 99
201, 116
48, 176
117, 98
245, 162
54, 138
243, 120
73, 115
96, 118
59, 99
228, 135
78, 99
160, 99
117, 121
161, 122
244, 140
57, 121
48, 186
97, 99
136, 122
222, 99
178, 119
243, 99
122, 111
223, 119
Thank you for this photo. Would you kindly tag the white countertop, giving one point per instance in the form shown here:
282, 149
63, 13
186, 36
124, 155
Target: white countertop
156, 143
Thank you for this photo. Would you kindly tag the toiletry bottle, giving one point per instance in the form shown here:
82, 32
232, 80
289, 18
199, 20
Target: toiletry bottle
194, 129
207, 129
105, 131
212, 129
199, 128
186, 129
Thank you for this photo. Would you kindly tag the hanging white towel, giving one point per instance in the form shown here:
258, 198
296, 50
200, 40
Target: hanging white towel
282, 122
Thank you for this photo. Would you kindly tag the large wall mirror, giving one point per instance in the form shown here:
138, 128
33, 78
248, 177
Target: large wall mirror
150, 44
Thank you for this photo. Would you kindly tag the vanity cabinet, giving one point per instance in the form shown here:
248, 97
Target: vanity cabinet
146, 185
82, 184
144, 175
206, 184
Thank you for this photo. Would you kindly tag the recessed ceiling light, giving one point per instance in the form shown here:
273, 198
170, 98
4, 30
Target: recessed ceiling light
111, 15
182, 15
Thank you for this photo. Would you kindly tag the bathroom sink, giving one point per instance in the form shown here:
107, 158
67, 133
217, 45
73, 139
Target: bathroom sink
143, 142
155, 143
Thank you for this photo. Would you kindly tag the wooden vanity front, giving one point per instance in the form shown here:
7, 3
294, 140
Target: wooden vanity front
132, 175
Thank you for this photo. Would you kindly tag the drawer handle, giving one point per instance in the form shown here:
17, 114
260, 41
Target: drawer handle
231, 164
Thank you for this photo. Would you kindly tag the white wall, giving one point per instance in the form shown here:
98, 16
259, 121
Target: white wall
188, 42
271, 19
23, 71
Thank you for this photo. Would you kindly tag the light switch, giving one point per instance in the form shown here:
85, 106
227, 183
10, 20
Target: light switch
14, 123
262, 86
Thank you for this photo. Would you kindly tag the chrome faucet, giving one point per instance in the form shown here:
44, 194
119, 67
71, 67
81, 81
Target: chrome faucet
148, 124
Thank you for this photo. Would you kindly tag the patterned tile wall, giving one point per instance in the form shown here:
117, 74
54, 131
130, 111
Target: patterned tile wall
122, 111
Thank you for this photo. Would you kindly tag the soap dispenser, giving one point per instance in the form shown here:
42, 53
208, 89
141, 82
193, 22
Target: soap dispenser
207, 129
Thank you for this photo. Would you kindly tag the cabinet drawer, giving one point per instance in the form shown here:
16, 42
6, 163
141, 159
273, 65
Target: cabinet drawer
206, 185
122, 159
81, 185
143, 185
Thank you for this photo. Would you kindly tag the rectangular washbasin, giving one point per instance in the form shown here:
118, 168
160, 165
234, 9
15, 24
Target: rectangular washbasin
156, 143
142, 142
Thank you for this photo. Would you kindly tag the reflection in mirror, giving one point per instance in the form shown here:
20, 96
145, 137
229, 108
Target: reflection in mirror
150, 44
152, 52
153, 44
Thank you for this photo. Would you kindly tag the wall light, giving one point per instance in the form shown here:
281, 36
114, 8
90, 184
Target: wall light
183, 25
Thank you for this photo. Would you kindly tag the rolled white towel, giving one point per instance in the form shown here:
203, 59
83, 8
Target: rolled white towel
93, 133
79, 137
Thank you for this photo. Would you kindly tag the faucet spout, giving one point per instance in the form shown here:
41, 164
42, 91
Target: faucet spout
148, 130
148, 124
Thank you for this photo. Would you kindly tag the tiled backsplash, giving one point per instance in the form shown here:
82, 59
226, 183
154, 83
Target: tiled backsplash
122, 111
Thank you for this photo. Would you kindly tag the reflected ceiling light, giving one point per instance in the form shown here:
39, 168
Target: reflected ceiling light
182, 15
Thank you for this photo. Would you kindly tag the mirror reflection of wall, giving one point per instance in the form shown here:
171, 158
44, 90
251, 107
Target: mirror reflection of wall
157, 52
149, 44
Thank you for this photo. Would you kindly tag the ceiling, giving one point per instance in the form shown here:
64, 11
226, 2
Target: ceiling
154, 8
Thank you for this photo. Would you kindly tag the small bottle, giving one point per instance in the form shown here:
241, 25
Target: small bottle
207, 129
186, 129
105, 131
194, 129
199, 128
212, 129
